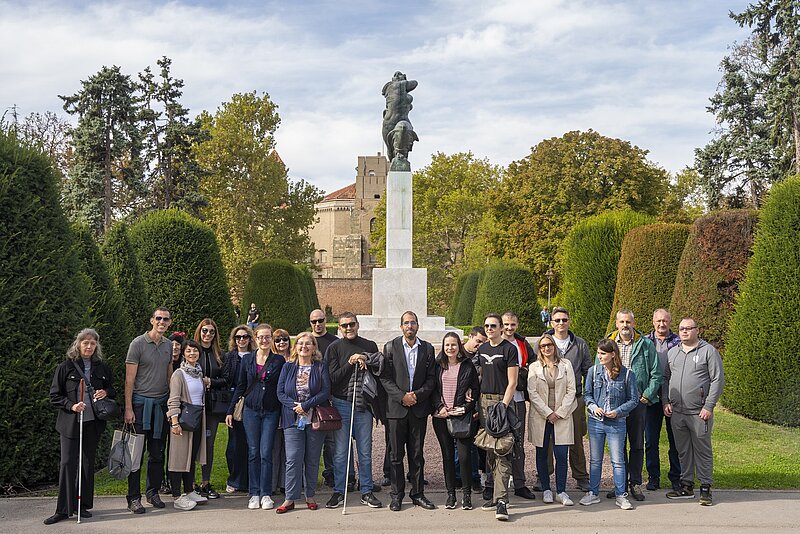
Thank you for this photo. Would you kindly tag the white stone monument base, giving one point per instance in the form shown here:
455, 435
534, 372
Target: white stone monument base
382, 329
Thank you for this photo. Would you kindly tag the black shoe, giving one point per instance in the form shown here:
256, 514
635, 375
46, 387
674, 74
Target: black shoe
165, 489
386, 482
370, 500
635, 491
156, 501
395, 505
611, 494
423, 502
335, 500
653, 485
451, 501
501, 514
685, 492
705, 495
86, 514
488, 493
476, 486
209, 492
136, 507
376, 488
525, 493
351, 486
459, 484
537, 486
466, 502
55, 518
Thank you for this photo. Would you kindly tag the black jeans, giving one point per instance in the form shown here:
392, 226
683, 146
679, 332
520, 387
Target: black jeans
408, 432
634, 453
68, 471
175, 477
155, 457
236, 456
447, 444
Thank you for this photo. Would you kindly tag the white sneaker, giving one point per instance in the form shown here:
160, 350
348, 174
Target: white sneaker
589, 498
623, 502
267, 503
184, 503
253, 503
196, 497
564, 499
229, 489
547, 497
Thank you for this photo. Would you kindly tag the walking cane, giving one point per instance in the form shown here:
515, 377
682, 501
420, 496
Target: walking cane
80, 451
350, 440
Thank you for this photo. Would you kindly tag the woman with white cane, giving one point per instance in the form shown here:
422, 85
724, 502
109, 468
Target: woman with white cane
77, 424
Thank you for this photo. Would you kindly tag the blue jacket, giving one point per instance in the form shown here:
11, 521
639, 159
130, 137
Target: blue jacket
319, 385
263, 397
623, 390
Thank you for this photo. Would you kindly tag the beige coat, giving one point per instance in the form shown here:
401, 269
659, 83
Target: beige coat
180, 447
565, 403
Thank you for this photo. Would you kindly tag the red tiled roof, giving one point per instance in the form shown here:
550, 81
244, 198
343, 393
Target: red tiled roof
345, 192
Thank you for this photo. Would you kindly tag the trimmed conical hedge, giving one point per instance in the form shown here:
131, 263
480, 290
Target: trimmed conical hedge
712, 265
40, 311
763, 347
182, 269
507, 286
120, 258
588, 261
275, 287
464, 298
310, 297
646, 270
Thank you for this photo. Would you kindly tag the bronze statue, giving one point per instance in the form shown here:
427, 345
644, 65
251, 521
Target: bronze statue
398, 133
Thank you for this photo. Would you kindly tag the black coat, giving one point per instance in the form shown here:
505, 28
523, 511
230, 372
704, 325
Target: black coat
395, 379
467, 379
64, 393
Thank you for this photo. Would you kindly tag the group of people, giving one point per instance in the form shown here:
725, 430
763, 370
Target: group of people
479, 394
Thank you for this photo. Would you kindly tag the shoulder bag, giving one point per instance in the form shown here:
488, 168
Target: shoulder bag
238, 410
326, 418
105, 408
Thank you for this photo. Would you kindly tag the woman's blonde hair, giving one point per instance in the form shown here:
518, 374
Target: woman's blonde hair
314, 357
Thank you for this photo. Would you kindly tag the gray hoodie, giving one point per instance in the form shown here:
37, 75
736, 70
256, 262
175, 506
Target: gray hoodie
695, 379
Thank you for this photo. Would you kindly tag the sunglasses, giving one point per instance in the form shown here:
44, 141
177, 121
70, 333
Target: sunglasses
546, 346
243, 336
281, 339
317, 321
158, 318
491, 326
559, 321
208, 331
345, 326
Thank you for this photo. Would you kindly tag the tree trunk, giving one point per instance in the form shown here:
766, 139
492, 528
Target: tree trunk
107, 191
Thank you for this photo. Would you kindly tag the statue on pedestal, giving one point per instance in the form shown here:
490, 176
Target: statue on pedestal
398, 133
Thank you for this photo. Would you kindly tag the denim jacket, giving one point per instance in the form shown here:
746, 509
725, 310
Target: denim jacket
623, 391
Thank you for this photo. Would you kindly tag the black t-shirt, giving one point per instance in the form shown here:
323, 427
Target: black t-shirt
495, 362
324, 341
251, 315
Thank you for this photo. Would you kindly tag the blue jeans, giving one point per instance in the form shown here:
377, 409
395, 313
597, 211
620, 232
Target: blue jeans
362, 432
303, 448
260, 428
561, 452
614, 430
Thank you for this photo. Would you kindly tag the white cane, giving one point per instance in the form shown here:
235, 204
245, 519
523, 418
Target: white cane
350, 440
80, 452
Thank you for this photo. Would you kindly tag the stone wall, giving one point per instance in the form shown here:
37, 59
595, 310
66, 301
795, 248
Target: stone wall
342, 295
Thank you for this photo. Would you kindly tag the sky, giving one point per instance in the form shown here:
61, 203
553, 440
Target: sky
495, 77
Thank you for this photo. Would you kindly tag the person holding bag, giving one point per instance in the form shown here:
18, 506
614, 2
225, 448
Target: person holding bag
240, 343
84, 358
454, 400
304, 384
186, 393
217, 396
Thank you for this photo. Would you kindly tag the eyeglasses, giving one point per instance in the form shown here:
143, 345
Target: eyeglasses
509, 324
560, 321
409, 323
158, 319
687, 328
244, 336
281, 339
345, 326
208, 331
264, 338
317, 321
490, 326
546, 346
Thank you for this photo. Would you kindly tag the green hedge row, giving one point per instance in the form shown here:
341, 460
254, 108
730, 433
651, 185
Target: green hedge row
464, 297
711, 267
505, 285
282, 292
588, 261
121, 261
181, 267
646, 271
762, 357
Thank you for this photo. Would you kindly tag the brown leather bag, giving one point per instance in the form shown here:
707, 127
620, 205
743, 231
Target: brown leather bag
326, 418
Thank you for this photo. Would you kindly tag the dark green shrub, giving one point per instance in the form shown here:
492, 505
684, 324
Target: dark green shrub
504, 286
457, 289
711, 267
646, 271
124, 270
41, 311
762, 357
587, 263
182, 270
462, 312
309, 289
274, 285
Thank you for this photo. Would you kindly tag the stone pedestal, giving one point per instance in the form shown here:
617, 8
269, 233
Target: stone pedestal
399, 287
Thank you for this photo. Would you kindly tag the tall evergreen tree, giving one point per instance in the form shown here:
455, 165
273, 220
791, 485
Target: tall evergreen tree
105, 181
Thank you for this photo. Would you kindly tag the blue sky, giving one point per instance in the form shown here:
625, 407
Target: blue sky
494, 77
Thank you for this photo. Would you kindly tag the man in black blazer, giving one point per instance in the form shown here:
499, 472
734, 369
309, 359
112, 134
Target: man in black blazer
409, 380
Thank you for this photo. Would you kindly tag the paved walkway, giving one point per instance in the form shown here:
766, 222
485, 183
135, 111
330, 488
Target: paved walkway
733, 511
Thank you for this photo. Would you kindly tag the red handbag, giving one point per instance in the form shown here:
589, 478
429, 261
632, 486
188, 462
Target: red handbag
326, 418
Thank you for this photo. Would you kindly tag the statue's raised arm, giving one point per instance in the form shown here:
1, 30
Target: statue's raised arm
398, 133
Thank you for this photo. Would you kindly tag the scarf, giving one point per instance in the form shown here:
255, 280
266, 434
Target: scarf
192, 370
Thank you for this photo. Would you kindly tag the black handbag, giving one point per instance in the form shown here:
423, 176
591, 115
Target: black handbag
460, 426
219, 400
191, 417
106, 408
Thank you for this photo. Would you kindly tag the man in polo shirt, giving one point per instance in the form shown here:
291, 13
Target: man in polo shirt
148, 368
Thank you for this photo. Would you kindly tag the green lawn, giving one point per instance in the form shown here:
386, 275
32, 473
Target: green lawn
747, 455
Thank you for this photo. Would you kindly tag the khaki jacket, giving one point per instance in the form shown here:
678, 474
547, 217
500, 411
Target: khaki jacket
565, 403
180, 447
